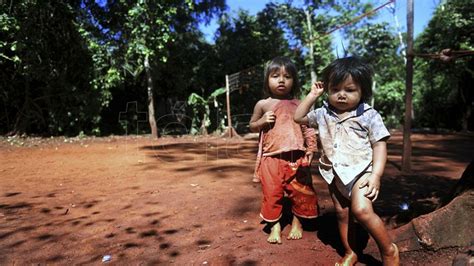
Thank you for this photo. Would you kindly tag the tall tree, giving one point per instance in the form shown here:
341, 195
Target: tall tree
244, 43
44, 70
306, 26
143, 30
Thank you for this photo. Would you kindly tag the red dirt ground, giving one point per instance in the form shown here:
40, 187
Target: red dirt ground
186, 201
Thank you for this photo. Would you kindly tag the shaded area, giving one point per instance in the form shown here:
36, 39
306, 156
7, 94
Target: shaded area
11, 194
13, 232
212, 150
405, 197
244, 205
328, 233
99, 196
434, 149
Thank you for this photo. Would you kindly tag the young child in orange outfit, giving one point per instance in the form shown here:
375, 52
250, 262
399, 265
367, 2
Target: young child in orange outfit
285, 151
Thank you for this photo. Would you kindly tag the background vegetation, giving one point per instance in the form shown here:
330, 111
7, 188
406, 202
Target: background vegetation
73, 67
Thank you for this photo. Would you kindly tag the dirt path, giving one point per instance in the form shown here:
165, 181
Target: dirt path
183, 201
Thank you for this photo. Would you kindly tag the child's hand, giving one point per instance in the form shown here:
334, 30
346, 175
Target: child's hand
269, 117
372, 183
317, 89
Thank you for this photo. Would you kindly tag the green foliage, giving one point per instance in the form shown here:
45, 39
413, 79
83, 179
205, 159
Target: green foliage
389, 101
44, 70
243, 44
146, 30
71, 67
296, 22
161, 33
105, 75
446, 87
201, 106
377, 44
8, 45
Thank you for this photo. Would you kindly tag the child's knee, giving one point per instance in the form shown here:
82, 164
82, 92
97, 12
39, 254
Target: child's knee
361, 212
342, 213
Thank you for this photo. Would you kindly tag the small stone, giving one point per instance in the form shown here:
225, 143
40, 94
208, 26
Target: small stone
204, 246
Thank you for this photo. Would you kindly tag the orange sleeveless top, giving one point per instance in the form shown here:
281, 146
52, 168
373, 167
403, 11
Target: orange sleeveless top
286, 135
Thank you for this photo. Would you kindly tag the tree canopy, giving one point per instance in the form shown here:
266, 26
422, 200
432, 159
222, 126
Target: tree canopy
70, 67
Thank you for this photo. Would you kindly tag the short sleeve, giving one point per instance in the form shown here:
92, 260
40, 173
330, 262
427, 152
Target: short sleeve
378, 130
313, 118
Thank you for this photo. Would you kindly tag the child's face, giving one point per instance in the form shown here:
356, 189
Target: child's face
280, 83
345, 96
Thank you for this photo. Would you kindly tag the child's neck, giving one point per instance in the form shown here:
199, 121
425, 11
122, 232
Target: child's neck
342, 114
285, 97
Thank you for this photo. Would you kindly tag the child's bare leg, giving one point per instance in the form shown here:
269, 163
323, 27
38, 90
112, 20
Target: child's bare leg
393, 259
275, 234
363, 211
296, 229
345, 226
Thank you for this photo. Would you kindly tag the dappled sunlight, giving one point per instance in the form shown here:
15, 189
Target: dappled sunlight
182, 200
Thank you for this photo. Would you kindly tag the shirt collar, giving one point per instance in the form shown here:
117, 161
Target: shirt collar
361, 108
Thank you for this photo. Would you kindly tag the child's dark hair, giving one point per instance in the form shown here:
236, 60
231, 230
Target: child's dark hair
341, 68
274, 65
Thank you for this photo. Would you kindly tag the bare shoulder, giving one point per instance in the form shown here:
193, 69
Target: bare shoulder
267, 104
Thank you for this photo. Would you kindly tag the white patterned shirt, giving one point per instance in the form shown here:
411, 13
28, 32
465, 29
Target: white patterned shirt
347, 142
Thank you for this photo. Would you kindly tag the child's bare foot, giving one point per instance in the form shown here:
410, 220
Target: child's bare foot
348, 260
393, 259
256, 179
275, 234
296, 229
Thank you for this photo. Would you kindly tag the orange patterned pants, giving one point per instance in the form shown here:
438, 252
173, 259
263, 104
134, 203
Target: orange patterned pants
284, 173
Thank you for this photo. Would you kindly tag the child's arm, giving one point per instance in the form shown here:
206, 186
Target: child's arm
259, 119
308, 101
310, 141
379, 158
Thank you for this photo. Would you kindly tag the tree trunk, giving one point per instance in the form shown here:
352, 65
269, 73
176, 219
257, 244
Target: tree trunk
203, 125
397, 27
151, 102
22, 118
311, 46
465, 118
407, 148
466, 113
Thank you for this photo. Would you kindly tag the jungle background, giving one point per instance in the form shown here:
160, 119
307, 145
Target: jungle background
73, 68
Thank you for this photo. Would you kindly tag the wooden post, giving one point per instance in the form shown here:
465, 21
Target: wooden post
151, 102
227, 93
407, 146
